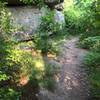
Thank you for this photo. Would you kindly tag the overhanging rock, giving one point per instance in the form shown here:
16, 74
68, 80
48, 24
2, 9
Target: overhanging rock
48, 2
14, 2
54, 1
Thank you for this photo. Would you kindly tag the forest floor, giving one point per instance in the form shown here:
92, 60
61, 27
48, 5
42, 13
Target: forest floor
72, 83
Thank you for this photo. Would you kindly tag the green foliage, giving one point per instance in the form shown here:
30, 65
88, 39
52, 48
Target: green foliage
90, 39
22, 63
5, 51
43, 42
35, 2
92, 43
48, 23
15, 62
8, 94
80, 15
5, 44
88, 34
97, 14
47, 27
92, 62
3, 76
50, 70
5, 22
49, 83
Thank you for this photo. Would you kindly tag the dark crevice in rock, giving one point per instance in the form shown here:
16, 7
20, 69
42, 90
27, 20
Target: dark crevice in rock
50, 3
14, 3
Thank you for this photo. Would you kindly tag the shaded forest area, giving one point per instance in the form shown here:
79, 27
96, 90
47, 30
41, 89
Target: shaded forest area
24, 71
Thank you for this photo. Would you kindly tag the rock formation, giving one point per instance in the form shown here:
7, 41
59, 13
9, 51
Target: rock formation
14, 2
29, 17
52, 3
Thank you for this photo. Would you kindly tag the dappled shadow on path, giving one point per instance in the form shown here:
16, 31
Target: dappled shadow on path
42, 75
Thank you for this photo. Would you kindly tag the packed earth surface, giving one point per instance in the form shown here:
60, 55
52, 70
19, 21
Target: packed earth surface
72, 81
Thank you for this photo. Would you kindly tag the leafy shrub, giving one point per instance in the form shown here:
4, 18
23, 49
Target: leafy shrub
92, 60
96, 15
88, 34
47, 27
48, 23
43, 42
21, 63
92, 43
95, 84
5, 43
79, 15
8, 94
5, 21
15, 62
92, 63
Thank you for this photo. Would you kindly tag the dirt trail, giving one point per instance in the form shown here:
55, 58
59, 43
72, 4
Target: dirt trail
72, 84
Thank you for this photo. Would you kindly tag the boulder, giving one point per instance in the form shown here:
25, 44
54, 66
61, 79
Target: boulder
52, 3
59, 18
26, 19
59, 7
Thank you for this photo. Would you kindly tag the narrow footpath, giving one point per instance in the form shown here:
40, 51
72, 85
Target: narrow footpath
72, 83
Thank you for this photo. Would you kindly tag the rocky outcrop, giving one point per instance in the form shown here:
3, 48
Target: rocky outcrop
59, 18
48, 2
26, 17
29, 18
59, 7
52, 3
